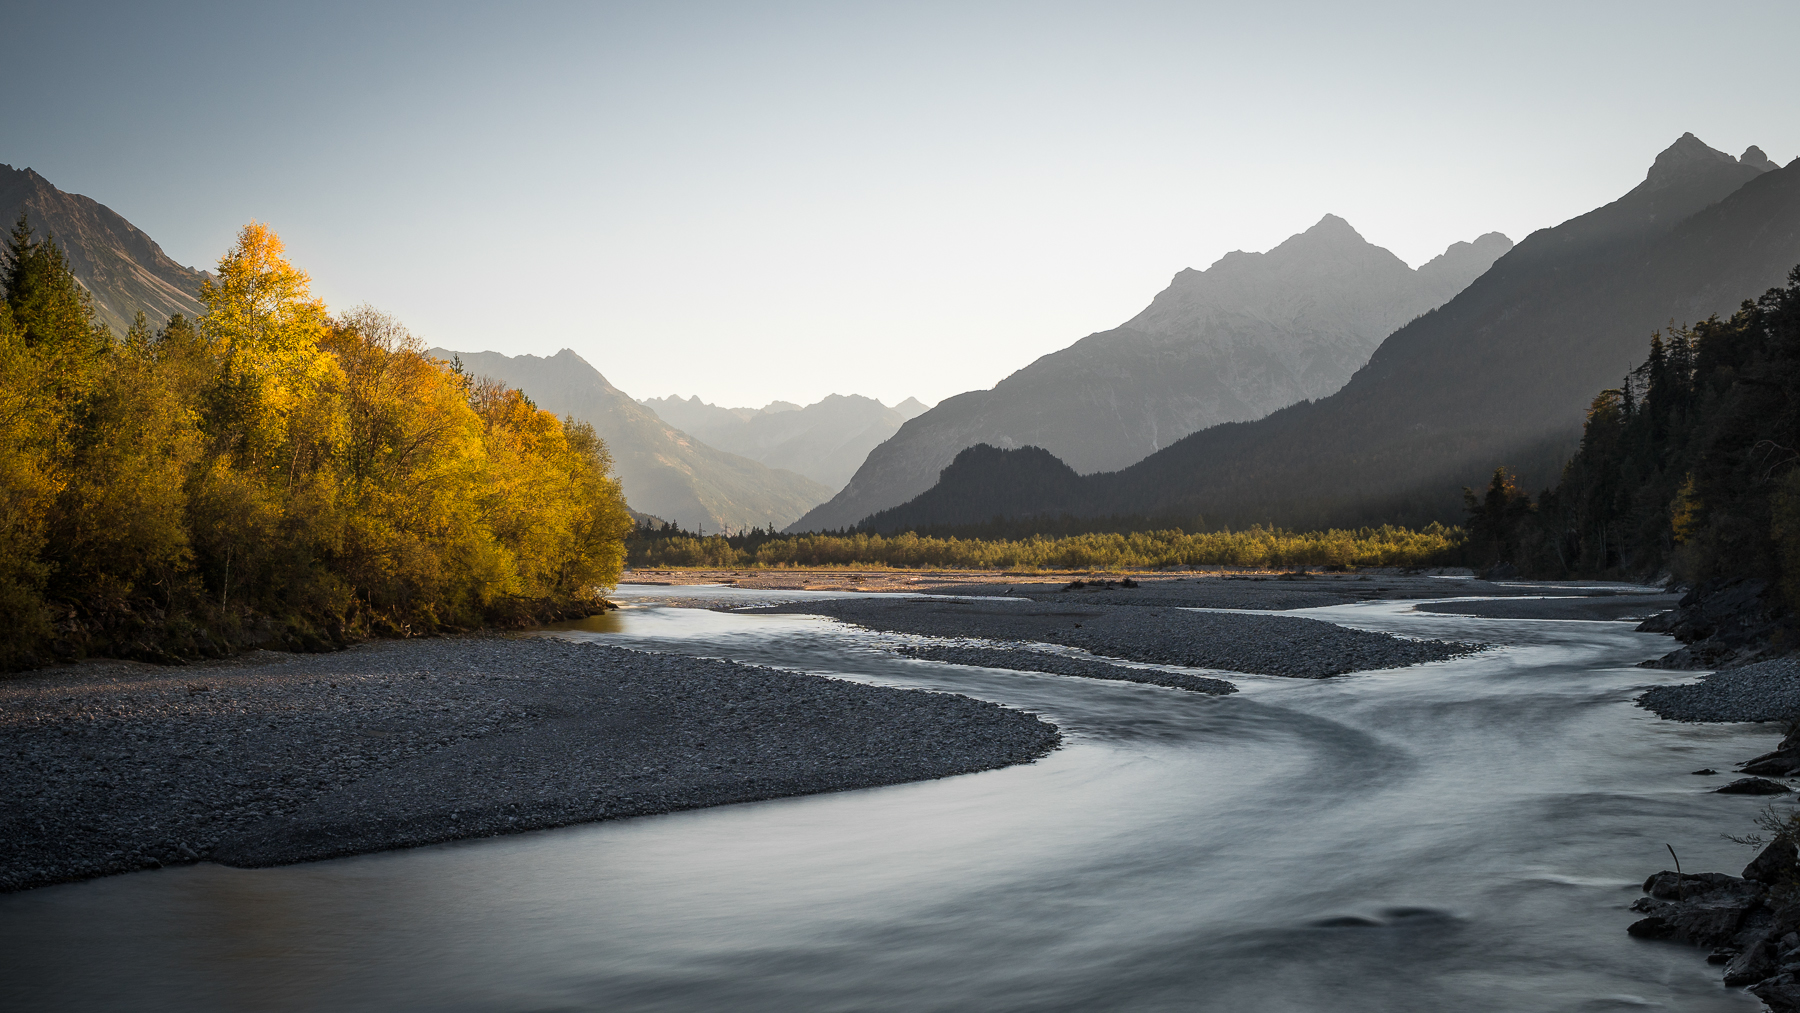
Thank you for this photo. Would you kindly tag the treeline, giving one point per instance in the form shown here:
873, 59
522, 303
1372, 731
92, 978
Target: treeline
1689, 467
270, 473
1256, 547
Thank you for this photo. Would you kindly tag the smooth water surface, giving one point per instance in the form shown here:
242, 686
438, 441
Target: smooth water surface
1458, 836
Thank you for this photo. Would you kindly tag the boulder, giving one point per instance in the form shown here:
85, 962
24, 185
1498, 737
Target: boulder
1780, 993
1753, 786
1758, 961
1776, 864
1781, 763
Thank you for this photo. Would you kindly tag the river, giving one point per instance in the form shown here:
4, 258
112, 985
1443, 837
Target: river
1464, 835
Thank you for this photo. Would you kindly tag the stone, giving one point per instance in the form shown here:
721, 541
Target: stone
1775, 864
1753, 786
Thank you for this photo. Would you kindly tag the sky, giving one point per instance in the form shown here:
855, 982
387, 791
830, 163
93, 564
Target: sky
780, 201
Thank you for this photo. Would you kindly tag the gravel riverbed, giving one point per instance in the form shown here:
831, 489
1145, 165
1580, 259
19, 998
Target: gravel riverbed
1764, 691
1020, 660
275, 758
1236, 642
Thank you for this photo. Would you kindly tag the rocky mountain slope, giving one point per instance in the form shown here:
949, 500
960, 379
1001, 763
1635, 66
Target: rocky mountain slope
1253, 333
664, 471
826, 441
123, 268
1500, 375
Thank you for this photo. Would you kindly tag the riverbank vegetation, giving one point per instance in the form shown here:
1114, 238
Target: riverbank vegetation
1690, 467
270, 473
664, 547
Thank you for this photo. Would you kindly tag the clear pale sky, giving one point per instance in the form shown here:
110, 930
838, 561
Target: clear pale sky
784, 200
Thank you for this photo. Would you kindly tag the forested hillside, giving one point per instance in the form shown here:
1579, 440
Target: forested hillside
270, 473
1691, 465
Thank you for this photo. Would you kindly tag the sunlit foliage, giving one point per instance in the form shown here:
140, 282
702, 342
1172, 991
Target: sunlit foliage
1256, 547
271, 474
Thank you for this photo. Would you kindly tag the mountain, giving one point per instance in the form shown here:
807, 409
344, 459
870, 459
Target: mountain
1500, 375
825, 441
708, 422
664, 471
121, 267
985, 482
1252, 333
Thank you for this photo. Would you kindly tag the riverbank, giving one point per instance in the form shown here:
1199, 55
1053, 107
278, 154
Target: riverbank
1260, 644
275, 758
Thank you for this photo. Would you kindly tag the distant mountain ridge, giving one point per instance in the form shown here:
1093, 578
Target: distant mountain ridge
1500, 375
1250, 334
826, 441
664, 471
120, 266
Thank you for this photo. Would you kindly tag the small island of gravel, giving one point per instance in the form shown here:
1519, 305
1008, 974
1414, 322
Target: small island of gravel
1763, 691
274, 758
1158, 635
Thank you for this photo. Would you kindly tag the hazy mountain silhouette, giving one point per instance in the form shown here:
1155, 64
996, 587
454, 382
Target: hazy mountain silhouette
121, 267
1500, 375
664, 471
825, 441
1250, 334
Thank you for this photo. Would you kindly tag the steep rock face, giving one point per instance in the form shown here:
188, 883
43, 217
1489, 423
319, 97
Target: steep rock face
826, 441
664, 471
121, 267
1501, 374
1251, 334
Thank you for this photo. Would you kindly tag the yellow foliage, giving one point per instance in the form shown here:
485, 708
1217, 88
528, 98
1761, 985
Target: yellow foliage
1257, 547
274, 465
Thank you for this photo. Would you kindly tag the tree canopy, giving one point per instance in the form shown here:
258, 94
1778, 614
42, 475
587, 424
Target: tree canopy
271, 473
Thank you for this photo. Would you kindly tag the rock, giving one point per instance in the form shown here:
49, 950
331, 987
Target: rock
1751, 966
1753, 786
1776, 864
1705, 771
1781, 763
1780, 993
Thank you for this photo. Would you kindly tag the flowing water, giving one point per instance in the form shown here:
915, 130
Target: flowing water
1458, 836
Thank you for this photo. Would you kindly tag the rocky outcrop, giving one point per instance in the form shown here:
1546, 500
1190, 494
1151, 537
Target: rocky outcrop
1722, 623
1751, 922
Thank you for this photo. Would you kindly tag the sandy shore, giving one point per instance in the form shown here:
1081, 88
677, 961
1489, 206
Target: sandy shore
276, 758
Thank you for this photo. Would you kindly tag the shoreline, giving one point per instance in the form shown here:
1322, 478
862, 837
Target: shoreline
259, 761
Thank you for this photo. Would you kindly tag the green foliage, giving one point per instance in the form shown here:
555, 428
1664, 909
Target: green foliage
1687, 468
1257, 547
271, 473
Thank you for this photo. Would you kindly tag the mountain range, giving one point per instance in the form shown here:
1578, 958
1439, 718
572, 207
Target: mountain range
826, 441
665, 472
1253, 333
1499, 375
121, 267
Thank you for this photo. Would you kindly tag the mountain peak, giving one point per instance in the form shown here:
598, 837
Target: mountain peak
1753, 157
1687, 157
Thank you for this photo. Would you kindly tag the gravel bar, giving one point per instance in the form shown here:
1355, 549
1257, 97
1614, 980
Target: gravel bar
270, 758
1764, 691
1017, 660
1237, 642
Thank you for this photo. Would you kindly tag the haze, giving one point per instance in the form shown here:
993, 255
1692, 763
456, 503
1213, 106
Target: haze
789, 200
